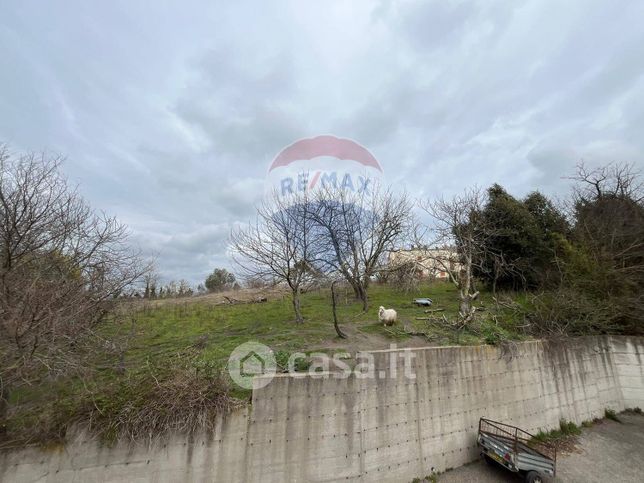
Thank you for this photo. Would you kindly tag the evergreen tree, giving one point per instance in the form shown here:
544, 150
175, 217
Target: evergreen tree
220, 279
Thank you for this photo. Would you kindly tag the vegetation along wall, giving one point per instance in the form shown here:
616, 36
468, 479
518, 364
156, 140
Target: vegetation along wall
301, 428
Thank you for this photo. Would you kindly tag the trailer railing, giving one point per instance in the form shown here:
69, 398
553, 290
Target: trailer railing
518, 438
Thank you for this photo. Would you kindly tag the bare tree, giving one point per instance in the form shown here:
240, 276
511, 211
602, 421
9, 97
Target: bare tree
458, 223
403, 270
613, 181
150, 282
355, 232
608, 217
279, 247
184, 290
61, 266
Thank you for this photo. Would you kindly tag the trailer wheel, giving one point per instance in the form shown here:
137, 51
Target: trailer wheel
533, 477
489, 460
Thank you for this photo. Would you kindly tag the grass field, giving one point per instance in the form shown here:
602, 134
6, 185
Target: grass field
157, 346
219, 328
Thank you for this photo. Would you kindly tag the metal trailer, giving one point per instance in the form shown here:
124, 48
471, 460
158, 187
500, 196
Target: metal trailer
516, 450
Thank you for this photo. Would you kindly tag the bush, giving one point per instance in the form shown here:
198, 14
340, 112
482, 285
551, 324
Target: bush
492, 333
282, 357
220, 279
612, 415
568, 428
570, 312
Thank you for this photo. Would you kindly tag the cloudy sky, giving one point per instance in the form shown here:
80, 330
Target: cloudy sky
169, 113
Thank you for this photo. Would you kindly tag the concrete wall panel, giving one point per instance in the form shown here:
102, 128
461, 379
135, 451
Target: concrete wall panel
324, 429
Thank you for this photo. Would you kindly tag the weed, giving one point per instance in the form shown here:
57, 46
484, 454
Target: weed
299, 364
431, 478
493, 333
612, 415
567, 429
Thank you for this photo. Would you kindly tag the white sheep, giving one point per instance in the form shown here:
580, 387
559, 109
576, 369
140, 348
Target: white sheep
387, 316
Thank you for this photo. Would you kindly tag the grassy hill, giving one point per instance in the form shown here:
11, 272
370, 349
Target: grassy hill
159, 365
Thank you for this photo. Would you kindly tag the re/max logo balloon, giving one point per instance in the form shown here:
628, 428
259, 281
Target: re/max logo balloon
307, 181
323, 164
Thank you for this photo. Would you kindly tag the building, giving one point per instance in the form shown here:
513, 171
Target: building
434, 263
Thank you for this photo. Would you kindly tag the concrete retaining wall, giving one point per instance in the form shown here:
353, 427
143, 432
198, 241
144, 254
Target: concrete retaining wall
301, 428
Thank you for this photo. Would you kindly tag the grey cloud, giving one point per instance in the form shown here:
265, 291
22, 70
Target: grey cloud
169, 115
243, 108
430, 25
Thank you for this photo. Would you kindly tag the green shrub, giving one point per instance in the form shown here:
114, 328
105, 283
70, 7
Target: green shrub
282, 357
568, 428
612, 415
492, 334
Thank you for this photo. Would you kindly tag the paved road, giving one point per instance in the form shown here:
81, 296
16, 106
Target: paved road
607, 452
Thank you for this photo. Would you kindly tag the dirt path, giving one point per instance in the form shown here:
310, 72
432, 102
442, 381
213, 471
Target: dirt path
360, 340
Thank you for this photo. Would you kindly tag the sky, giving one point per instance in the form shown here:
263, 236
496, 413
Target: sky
169, 113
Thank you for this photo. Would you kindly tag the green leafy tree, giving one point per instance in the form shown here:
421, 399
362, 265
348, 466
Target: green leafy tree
601, 260
552, 229
525, 235
220, 279
515, 237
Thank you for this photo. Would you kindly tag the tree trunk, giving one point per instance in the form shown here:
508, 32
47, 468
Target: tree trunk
335, 315
365, 300
356, 288
465, 306
361, 294
4, 406
296, 306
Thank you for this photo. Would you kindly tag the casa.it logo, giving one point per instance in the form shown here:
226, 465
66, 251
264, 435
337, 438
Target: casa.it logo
323, 163
248, 362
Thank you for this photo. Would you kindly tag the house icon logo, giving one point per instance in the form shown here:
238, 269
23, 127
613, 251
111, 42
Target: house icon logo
250, 360
250, 363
